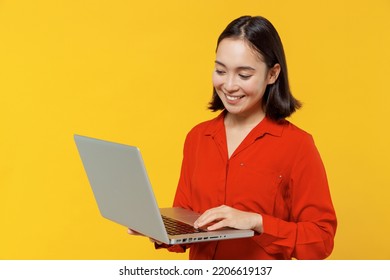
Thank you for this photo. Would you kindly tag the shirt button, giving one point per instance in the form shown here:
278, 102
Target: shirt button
241, 164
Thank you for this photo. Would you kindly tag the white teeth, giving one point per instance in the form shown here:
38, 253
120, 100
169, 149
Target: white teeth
232, 98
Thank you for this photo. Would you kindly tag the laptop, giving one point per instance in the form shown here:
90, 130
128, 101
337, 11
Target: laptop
124, 195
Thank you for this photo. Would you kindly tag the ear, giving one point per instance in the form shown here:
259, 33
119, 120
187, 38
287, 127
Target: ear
273, 74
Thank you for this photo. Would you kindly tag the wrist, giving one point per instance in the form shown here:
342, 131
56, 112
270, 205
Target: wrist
258, 223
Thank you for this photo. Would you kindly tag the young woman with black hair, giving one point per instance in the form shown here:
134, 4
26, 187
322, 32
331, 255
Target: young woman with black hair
250, 168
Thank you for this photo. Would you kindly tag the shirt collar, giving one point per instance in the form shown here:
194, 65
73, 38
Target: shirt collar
266, 126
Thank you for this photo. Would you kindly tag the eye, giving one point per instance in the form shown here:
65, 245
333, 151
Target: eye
219, 72
244, 76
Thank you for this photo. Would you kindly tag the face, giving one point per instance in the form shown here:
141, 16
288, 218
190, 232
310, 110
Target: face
241, 77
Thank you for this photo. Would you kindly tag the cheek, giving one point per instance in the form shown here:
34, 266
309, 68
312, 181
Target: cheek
217, 80
254, 87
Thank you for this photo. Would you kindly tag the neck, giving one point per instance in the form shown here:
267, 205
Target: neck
235, 120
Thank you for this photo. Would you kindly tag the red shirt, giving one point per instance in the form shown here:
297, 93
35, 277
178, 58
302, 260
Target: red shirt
276, 172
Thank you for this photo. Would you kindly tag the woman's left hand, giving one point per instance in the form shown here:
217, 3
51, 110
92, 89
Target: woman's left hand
225, 216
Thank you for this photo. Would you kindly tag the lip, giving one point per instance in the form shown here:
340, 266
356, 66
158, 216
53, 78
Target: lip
232, 99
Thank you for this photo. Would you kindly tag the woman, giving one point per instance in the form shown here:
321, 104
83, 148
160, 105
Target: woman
249, 168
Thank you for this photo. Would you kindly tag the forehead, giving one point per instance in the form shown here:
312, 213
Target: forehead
237, 52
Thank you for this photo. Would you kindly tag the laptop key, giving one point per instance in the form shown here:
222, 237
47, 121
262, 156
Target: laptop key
175, 227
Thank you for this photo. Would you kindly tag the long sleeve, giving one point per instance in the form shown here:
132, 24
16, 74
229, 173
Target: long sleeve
183, 191
309, 233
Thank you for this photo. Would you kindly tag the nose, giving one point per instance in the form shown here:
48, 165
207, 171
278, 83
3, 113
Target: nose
230, 84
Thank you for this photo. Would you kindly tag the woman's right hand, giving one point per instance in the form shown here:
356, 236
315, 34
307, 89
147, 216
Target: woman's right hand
133, 232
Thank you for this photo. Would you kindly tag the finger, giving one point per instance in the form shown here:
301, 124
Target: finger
133, 232
211, 215
208, 217
205, 218
218, 225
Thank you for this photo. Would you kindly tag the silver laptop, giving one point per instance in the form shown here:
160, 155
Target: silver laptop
123, 193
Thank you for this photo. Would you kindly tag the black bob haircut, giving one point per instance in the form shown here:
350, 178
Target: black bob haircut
278, 101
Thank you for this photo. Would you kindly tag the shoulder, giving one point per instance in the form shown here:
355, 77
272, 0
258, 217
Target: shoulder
295, 137
208, 127
301, 142
293, 131
202, 132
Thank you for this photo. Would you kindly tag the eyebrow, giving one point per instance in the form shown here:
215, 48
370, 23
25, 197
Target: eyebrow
239, 68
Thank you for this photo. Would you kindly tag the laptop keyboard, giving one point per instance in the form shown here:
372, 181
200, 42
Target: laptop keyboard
175, 227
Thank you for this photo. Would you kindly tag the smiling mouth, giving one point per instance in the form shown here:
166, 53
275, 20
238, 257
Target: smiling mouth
233, 98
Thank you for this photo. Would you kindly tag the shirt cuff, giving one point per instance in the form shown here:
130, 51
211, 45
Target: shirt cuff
171, 248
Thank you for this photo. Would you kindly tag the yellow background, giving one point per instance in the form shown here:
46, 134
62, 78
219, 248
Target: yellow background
139, 72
